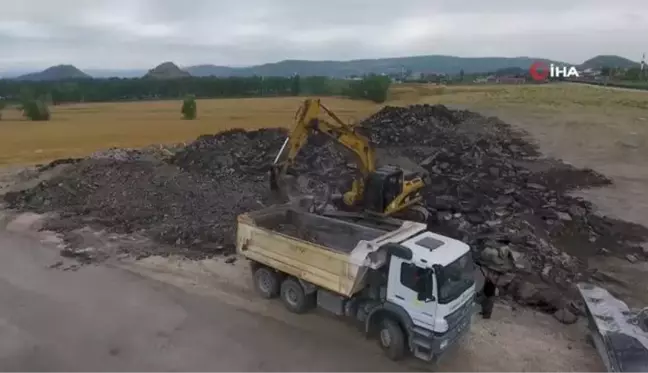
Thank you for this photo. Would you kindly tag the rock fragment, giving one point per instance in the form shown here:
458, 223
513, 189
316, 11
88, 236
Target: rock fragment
565, 316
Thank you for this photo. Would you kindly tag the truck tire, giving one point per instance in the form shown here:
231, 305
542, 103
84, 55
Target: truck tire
294, 297
392, 339
266, 282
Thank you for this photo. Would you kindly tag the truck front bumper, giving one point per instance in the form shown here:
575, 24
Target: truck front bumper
430, 346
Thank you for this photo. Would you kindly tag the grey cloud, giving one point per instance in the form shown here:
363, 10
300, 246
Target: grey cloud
142, 33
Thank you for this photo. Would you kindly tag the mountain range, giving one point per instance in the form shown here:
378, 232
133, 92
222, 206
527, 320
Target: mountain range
418, 64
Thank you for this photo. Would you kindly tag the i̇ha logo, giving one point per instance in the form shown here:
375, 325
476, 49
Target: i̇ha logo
541, 71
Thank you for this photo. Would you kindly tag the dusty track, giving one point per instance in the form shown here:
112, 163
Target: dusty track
183, 315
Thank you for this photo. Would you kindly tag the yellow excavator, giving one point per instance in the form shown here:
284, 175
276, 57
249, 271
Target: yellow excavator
383, 191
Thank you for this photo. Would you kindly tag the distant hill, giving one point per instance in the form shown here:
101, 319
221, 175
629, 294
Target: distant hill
59, 72
512, 71
166, 70
608, 61
420, 64
112, 73
210, 70
430, 64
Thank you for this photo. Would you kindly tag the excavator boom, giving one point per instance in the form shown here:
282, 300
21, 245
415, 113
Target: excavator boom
308, 120
383, 191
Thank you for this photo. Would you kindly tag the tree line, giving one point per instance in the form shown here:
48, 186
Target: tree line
120, 89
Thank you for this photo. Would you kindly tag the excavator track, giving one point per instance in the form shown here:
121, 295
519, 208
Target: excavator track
417, 213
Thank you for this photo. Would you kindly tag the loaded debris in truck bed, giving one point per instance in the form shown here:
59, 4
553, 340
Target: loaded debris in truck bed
321, 230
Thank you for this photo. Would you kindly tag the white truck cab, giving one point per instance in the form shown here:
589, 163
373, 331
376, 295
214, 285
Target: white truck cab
436, 287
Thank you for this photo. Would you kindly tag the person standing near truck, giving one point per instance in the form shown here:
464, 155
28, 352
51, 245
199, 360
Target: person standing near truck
488, 297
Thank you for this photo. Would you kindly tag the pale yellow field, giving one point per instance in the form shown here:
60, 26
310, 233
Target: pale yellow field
80, 129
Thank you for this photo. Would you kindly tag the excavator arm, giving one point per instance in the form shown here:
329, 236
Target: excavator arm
309, 120
384, 191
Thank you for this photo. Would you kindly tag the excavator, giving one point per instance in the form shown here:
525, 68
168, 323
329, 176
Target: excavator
377, 191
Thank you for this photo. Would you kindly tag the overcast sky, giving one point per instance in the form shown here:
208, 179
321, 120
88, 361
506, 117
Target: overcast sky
119, 34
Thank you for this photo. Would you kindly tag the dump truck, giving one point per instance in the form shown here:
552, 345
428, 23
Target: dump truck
409, 288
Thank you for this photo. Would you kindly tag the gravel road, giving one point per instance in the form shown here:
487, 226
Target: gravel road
155, 317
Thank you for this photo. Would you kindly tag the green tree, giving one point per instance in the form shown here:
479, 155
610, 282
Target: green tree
36, 110
461, 75
26, 93
372, 87
295, 88
315, 85
121, 89
48, 98
633, 73
189, 109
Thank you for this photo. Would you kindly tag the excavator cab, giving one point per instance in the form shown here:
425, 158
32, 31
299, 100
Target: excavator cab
382, 187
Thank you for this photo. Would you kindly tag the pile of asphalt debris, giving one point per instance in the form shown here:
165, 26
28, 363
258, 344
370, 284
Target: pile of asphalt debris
490, 188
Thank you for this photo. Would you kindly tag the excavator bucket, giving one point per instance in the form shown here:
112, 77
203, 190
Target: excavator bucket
619, 334
279, 186
274, 184
284, 188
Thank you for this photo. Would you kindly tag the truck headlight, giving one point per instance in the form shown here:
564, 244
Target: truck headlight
444, 344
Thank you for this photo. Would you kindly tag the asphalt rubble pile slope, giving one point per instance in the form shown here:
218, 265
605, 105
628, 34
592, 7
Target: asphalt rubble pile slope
490, 188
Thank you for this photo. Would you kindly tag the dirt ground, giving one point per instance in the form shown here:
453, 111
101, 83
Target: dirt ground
590, 127
210, 319
599, 129
516, 339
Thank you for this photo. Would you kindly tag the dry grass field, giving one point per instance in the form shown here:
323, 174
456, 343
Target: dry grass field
564, 115
80, 129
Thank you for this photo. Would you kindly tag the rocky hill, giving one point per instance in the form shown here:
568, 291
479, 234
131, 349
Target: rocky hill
59, 72
166, 70
608, 61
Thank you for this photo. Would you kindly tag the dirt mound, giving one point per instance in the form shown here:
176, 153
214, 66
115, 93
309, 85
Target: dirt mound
489, 188
232, 152
172, 205
188, 199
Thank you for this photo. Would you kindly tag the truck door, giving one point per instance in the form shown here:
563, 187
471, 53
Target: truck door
402, 290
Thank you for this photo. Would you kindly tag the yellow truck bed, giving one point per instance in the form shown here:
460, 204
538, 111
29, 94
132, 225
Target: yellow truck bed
330, 253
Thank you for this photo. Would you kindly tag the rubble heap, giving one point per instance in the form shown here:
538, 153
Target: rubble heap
129, 192
489, 188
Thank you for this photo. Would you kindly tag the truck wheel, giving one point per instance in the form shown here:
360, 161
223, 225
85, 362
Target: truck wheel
392, 339
266, 282
294, 297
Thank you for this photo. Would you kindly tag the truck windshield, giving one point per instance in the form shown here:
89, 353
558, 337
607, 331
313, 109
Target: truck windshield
455, 278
